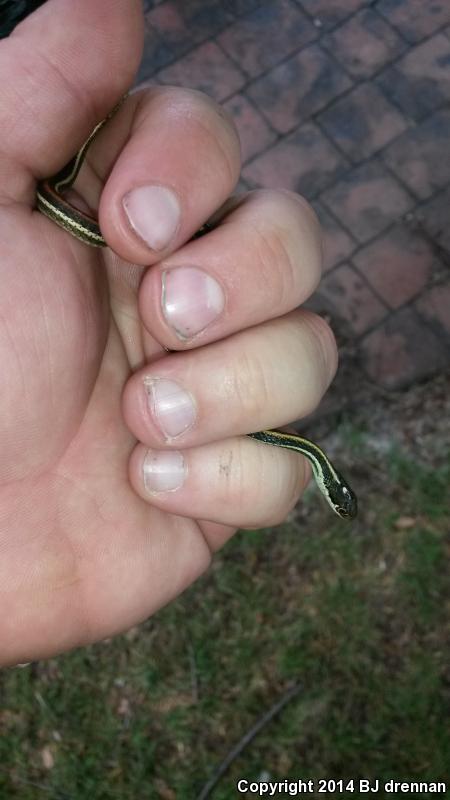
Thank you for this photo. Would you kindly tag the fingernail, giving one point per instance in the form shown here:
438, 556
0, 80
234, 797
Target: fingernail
172, 407
163, 471
154, 213
191, 300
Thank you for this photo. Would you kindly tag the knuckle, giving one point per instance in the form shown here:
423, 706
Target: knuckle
287, 240
264, 486
325, 345
273, 254
203, 118
249, 387
288, 491
217, 129
235, 488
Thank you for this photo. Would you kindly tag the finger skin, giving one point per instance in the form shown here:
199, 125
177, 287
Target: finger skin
265, 256
182, 142
216, 534
262, 377
63, 69
237, 482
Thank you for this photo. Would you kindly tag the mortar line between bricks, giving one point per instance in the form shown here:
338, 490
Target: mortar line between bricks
349, 262
355, 339
427, 324
254, 105
352, 165
436, 328
291, 131
238, 15
329, 211
439, 251
399, 179
359, 340
311, 17
320, 27
347, 230
282, 61
255, 78
337, 146
361, 245
412, 126
295, 127
251, 79
236, 64
374, 291
371, 7
190, 48
408, 42
414, 121
376, 155
356, 82
369, 80
442, 252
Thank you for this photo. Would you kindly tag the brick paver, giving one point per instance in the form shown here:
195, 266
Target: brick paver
433, 217
306, 162
367, 200
415, 19
338, 244
348, 103
362, 122
344, 294
298, 88
419, 83
254, 132
398, 265
434, 306
182, 25
421, 156
251, 42
206, 68
402, 349
328, 14
364, 43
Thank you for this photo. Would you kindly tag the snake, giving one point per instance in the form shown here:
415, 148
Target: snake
50, 201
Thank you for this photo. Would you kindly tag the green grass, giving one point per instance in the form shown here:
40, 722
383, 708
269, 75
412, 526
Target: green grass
358, 615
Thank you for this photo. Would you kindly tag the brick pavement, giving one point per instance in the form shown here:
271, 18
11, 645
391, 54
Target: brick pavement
348, 103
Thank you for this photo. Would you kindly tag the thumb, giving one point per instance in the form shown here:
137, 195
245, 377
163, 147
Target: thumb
62, 69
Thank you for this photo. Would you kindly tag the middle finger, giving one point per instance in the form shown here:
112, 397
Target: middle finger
263, 260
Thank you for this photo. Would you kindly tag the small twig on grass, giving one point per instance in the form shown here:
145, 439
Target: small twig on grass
194, 673
246, 739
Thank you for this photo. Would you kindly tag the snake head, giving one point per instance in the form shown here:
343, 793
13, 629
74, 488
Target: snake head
343, 500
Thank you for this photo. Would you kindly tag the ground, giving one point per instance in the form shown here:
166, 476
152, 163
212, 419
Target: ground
356, 615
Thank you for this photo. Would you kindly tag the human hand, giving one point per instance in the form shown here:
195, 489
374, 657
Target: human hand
94, 536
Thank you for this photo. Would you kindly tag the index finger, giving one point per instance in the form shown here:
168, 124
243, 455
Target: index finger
179, 161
